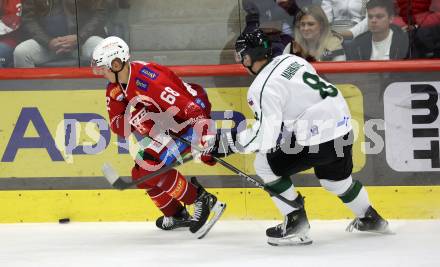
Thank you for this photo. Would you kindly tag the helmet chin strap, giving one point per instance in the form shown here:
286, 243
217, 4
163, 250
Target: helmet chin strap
249, 67
117, 72
252, 64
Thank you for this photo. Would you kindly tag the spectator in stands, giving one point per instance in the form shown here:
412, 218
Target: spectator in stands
271, 19
343, 15
383, 40
51, 26
275, 18
421, 18
313, 38
10, 17
117, 24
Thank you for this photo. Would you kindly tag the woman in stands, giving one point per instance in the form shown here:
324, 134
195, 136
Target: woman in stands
313, 37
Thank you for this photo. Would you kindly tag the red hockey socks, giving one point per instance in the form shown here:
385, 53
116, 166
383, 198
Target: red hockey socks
178, 187
168, 205
167, 189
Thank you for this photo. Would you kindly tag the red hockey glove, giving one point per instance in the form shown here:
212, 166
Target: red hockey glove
208, 159
207, 143
205, 134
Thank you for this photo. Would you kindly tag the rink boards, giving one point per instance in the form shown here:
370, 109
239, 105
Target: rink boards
394, 202
53, 142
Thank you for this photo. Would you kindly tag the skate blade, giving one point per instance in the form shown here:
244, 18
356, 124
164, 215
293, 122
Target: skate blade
386, 231
293, 240
177, 228
217, 210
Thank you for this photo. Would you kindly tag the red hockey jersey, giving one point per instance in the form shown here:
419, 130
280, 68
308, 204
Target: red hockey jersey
160, 89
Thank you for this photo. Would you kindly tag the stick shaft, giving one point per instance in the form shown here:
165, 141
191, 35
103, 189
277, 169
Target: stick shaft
242, 174
122, 185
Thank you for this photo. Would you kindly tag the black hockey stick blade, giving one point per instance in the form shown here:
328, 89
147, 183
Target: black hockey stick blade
242, 174
119, 183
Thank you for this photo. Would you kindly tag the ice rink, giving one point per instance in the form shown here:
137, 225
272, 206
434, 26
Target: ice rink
230, 243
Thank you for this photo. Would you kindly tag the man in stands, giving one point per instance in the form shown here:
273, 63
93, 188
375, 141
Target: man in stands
56, 29
383, 40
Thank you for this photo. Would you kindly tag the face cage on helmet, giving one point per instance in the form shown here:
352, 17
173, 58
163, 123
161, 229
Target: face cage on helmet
95, 63
255, 54
98, 63
238, 56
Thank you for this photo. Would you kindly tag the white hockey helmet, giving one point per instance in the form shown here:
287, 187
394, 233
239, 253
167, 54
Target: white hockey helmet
109, 49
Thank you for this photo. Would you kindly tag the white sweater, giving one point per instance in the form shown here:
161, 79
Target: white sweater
337, 10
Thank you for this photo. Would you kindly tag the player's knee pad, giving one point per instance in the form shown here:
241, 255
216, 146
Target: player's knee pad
263, 169
337, 187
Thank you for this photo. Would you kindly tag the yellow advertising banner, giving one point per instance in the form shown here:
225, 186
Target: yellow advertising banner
66, 133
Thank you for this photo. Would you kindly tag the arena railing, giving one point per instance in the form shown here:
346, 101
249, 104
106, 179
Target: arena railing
230, 69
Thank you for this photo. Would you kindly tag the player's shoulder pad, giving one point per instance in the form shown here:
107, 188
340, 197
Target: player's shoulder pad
139, 62
157, 66
114, 91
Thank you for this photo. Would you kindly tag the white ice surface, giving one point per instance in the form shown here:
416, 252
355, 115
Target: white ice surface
230, 243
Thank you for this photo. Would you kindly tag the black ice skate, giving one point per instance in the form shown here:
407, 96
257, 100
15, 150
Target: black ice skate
181, 219
372, 222
294, 229
204, 205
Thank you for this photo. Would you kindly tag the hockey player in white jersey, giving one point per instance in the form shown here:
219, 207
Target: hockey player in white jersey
289, 98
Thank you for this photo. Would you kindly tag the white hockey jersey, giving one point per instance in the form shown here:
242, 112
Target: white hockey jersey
288, 92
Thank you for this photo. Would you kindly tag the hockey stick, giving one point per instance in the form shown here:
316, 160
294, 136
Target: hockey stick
242, 174
119, 183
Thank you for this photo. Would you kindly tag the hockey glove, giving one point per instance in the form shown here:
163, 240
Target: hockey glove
207, 144
219, 146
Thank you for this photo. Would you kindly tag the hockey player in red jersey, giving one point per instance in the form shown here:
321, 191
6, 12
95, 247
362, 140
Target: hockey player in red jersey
151, 100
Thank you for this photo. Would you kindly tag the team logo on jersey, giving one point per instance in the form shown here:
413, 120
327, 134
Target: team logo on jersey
314, 130
141, 84
342, 122
149, 73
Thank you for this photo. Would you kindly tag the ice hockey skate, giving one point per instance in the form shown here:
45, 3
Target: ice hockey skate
372, 222
180, 220
205, 205
293, 231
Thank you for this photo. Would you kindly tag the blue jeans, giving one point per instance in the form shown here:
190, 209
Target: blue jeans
5, 55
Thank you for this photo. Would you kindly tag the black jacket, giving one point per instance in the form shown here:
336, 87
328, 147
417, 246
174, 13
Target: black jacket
361, 47
91, 18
